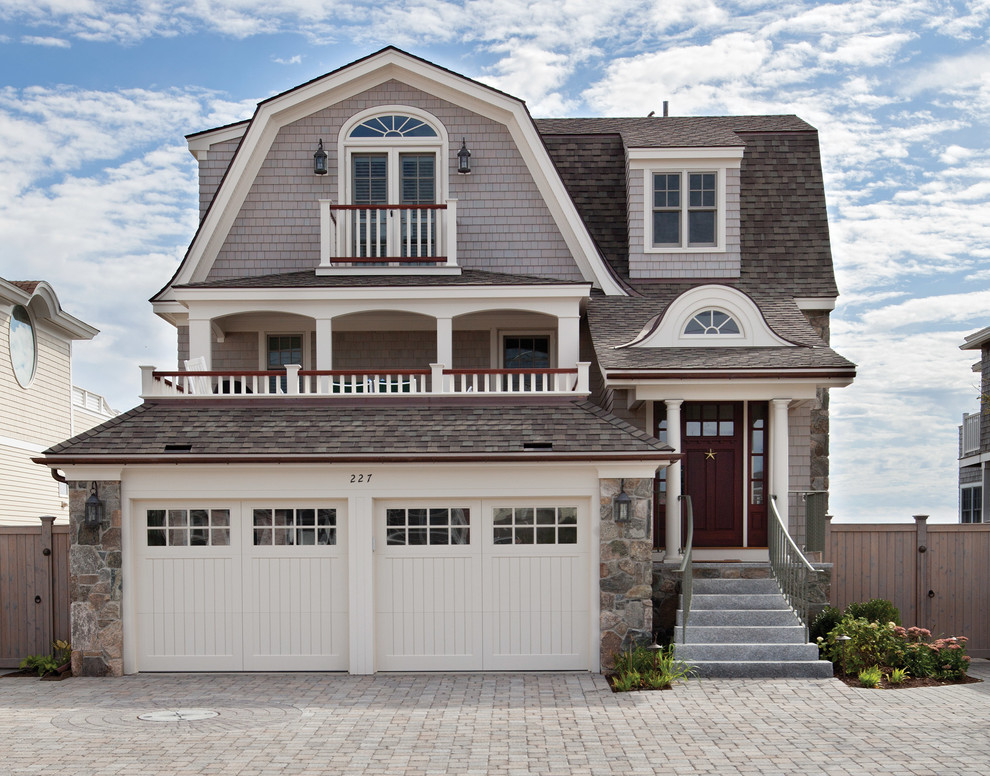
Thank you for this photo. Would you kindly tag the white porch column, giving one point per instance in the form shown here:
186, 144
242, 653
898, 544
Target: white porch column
201, 339
780, 455
324, 343
568, 341
673, 521
445, 342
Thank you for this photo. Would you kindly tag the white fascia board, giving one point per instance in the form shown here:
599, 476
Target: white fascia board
815, 302
199, 145
630, 470
642, 157
272, 114
58, 319
170, 310
205, 304
728, 389
91, 471
976, 340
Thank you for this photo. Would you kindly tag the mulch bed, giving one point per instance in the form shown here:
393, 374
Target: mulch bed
911, 683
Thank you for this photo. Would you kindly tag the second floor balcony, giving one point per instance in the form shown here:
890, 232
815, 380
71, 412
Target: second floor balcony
390, 237
969, 434
293, 381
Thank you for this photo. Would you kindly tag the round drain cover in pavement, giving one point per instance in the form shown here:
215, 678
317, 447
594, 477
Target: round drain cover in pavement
179, 715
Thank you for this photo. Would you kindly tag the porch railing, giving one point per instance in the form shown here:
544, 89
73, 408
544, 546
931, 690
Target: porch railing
687, 565
970, 442
294, 381
793, 571
388, 235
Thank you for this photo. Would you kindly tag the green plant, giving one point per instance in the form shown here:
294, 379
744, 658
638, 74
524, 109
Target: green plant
897, 676
653, 669
62, 651
48, 664
827, 619
869, 644
875, 610
870, 677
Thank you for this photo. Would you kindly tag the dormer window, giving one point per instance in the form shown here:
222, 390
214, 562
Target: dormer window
393, 126
685, 209
711, 322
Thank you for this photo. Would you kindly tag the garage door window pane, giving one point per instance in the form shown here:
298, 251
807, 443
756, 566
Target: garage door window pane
555, 525
187, 527
295, 527
445, 526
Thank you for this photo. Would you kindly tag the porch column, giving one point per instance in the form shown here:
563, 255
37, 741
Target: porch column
324, 343
780, 456
673, 521
568, 341
445, 342
201, 339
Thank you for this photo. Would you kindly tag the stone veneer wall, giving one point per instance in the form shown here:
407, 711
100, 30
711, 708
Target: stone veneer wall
626, 572
95, 583
819, 319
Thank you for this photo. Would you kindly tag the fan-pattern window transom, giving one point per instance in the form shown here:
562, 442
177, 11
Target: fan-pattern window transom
393, 126
712, 322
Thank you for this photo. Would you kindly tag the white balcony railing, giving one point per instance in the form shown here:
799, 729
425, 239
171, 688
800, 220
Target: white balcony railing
388, 235
294, 381
970, 442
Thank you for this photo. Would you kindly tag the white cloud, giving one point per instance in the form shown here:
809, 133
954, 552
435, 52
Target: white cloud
294, 60
33, 40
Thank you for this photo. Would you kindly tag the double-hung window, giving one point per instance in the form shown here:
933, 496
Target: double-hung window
971, 506
685, 209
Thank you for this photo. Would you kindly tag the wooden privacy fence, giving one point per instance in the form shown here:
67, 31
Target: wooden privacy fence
937, 575
34, 589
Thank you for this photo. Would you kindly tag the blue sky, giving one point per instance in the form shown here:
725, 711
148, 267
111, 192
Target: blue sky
98, 192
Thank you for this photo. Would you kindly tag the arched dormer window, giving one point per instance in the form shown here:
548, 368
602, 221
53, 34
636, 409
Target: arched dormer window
711, 322
395, 125
394, 164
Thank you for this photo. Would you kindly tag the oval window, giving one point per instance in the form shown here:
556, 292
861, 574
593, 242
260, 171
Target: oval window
711, 322
23, 350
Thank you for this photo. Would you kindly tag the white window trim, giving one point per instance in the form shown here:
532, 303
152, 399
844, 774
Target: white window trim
263, 346
393, 146
33, 323
723, 338
684, 161
971, 486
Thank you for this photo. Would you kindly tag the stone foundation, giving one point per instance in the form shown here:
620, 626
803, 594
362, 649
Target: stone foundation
95, 583
626, 570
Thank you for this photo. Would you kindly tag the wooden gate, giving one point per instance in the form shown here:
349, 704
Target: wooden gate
34, 589
937, 575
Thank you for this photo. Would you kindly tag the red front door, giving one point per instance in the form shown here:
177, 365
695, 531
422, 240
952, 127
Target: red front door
712, 446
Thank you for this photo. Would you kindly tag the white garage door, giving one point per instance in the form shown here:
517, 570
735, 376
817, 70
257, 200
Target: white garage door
483, 585
241, 586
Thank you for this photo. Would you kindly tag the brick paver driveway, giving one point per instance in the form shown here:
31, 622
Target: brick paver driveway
486, 723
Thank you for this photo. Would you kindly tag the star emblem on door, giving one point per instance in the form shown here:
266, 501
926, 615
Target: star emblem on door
710, 455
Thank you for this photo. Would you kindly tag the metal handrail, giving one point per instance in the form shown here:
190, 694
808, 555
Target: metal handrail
687, 566
791, 568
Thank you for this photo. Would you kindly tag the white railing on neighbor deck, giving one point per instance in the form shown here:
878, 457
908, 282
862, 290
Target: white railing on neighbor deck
970, 433
793, 570
294, 381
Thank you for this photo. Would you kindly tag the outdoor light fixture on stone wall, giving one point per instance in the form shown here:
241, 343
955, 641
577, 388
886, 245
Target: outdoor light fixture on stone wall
622, 505
94, 508
464, 159
320, 160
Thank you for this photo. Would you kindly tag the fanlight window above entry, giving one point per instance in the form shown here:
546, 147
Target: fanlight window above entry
712, 322
393, 126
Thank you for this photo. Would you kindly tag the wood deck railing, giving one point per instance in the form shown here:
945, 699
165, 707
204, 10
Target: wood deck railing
294, 381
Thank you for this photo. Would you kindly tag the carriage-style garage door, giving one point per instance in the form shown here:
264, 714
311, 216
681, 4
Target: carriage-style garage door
482, 585
241, 586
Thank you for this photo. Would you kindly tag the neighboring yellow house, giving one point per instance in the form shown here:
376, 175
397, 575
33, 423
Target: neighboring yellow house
40, 406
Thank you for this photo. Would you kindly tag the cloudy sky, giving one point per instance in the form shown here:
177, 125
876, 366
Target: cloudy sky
98, 192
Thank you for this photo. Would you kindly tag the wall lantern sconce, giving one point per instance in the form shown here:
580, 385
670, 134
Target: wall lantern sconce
622, 505
94, 509
320, 160
464, 159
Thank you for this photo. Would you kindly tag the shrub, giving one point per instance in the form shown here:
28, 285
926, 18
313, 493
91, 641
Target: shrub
827, 619
652, 669
869, 644
875, 610
870, 677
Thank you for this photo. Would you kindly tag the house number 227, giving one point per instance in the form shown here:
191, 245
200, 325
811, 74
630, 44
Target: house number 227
360, 478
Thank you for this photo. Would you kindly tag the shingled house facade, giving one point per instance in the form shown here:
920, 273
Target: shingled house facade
444, 372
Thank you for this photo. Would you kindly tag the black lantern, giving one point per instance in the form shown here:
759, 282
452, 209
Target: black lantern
320, 160
622, 505
464, 159
94, 509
